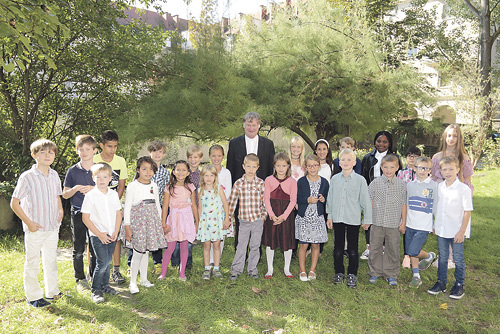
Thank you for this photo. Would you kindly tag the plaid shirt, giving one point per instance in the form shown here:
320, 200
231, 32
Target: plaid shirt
251, 196
161, 178
388, 196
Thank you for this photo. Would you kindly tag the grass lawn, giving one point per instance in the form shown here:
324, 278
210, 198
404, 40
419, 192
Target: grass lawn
278, 305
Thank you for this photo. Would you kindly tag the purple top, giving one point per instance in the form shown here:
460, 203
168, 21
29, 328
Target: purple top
467, 171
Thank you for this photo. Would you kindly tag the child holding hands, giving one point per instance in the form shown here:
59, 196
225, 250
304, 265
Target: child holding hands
280, 196
142, 221
214, 219
347, 197
178, 226
310, 228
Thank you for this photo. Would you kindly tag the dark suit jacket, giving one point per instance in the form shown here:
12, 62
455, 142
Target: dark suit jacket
304, 192
237, 152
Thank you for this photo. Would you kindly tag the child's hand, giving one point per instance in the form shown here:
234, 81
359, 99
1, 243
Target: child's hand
128, 233
226, 223
434, 231
33, 227
365, 226
459, 237
166, 229
114, 236
321, 198
105, 238
402, 228
329, 223
312, 200
85, 189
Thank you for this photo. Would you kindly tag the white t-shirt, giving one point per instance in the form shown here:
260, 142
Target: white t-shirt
325, 171
102, 208
453, 202
225, 181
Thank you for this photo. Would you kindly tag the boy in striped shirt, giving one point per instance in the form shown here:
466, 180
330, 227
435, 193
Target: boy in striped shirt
36, 201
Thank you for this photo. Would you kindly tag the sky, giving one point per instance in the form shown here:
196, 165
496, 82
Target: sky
226, 8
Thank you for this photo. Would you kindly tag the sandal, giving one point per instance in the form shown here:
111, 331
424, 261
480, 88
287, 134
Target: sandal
312, 275
303, 277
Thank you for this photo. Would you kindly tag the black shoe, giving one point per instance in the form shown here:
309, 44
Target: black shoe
109, 290
439, 287
117, 277
457, 292
38, 303
338, 279
352, 281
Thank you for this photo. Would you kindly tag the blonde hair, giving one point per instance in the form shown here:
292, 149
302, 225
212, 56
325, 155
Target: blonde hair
347, 151
460, 152
389, 158
348, 141
43, 144
449, 160
252, 157
209, 168
312, 157
423, 159
194, 149
101, 167
299, 141
282, 156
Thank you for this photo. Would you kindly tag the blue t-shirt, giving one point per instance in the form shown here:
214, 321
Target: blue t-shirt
77, 175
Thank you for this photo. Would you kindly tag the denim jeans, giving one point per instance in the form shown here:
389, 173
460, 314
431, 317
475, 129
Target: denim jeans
458, 257
176, 256
104, 255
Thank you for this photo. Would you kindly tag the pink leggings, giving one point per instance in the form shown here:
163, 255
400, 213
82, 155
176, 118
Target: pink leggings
168, 254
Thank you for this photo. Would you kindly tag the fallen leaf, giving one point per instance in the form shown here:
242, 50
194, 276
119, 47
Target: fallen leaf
256, 290
443, 306
58, 320
269, 313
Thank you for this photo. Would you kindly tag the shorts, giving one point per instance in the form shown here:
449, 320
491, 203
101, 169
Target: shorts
415, 240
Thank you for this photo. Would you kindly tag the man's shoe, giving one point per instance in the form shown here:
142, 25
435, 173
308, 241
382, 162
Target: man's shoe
457, 292
339, 278
426, 263
117, 277
38, 303
97, 297
439, 287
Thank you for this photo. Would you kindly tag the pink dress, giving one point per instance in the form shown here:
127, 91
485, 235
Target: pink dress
467, 171
180, 218
297, 172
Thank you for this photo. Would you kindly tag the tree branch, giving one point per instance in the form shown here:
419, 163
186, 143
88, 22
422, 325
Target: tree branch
472, 8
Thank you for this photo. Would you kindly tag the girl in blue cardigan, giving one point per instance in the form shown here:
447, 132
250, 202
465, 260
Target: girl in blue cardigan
310, 227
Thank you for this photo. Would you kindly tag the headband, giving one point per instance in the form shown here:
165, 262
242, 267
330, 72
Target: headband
322, 141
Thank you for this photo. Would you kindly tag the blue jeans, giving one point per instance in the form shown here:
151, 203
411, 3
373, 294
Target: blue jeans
104, 255
458, 257
176, 256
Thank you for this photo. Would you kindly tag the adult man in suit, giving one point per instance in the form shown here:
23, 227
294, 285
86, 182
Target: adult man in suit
248, 143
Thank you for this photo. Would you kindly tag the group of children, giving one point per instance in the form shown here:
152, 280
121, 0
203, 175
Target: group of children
294, 206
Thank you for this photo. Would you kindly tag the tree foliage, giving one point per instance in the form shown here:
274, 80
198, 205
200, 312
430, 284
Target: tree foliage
323, 72
76, 82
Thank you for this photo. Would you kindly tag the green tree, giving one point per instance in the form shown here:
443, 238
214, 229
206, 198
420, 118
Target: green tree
323, 72
76, 82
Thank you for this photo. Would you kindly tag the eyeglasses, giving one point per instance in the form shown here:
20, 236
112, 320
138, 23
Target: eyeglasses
411, 156
422, 168
312, 166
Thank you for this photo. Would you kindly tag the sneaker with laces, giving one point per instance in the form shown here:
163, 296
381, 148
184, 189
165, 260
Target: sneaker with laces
457, 292
117, 277
146, 284
217, 273
415, 282
439, 287
133, 288
339, 278
110, 291
233, 277
426, 263
352, 281
206, 274
38, 303
365, 254
97, 297
392, 281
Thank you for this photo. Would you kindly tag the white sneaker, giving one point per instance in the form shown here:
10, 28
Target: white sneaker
365, 254
133, 288
147, 284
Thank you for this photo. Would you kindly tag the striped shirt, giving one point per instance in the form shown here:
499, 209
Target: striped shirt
39, 197
251, 197
387, 196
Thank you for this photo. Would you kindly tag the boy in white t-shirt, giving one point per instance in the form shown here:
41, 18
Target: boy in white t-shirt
421, 196
452, 218
101, 214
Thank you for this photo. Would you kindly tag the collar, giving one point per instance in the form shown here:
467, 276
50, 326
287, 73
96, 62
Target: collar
380, 155
79, 166
348, 176
427, 180
256, 138
254, 180
453, 185
385, 179
38, 172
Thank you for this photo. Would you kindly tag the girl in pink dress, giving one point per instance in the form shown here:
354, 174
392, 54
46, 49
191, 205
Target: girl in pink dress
179, 226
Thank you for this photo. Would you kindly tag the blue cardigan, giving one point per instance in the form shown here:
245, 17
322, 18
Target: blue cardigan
304, 192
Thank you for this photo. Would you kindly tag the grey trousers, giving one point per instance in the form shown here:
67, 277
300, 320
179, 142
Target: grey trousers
248, 231
384, 263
